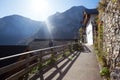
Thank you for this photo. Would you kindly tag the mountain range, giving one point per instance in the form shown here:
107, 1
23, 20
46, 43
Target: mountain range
19, 30
67, 24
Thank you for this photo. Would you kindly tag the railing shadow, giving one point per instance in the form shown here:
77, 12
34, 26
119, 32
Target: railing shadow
86, 49
59, 69
67, 65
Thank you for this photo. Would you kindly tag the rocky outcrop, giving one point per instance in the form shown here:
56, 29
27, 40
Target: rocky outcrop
111, 37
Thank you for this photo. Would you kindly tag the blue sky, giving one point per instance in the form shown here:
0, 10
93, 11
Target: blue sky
40, 9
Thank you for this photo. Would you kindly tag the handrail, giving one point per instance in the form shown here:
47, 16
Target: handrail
29, 52
39, 56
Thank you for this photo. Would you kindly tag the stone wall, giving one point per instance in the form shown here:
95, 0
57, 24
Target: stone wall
111, 36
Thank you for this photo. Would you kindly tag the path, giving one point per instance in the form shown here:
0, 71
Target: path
83, 66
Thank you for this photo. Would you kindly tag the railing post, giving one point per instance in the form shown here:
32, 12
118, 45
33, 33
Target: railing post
26, 67
27, 63
64, 51
76, 46
53, 56
40, 65
70, 48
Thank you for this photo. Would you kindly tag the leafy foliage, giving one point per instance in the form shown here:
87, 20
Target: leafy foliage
102, 5
98, 45
104, 71
81, 33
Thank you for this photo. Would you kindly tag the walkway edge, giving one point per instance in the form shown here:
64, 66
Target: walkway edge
100, 67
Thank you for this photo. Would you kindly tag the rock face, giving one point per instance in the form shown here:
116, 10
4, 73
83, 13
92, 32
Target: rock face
66, 25
111, 37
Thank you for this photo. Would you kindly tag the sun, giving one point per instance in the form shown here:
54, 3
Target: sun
39, 7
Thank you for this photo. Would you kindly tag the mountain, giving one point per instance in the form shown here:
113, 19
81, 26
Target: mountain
66, 25
19, 30
16, 30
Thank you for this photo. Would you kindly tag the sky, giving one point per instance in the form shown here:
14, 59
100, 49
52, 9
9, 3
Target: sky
40, 9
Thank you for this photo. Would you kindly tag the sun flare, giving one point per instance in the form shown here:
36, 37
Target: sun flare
39, 7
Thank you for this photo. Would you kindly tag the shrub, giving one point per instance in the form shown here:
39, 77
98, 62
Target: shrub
102, 5
104, 72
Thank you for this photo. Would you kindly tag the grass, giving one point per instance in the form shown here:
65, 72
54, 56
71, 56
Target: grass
66, 54
50, 61
104, 71
98, 48
70, 57
59, 57
40, 66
